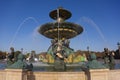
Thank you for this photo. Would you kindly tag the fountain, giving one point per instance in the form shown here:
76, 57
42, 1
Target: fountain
60, 32
59, 54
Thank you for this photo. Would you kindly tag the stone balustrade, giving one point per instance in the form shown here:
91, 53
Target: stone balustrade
95, 74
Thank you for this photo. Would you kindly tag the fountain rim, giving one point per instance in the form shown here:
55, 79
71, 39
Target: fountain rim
52, 26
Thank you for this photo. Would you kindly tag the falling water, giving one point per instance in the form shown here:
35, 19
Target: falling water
19, 27
95, 26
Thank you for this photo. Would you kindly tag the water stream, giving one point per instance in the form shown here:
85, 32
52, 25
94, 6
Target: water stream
19, 27
91, 23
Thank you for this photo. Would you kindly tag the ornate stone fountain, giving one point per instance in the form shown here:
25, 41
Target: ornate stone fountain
60, 32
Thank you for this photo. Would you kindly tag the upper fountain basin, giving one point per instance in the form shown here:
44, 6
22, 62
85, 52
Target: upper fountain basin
65, 30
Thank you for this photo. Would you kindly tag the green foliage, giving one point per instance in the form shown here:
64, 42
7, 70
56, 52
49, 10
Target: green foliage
2, 55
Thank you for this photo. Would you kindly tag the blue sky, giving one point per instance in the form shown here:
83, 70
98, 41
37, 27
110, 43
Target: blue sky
19, 20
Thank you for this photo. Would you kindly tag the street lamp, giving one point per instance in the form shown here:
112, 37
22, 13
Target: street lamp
118, 45
88, 49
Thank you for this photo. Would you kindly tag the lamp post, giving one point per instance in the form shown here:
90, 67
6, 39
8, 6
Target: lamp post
88, 53
88, 49
118, 45
22, 50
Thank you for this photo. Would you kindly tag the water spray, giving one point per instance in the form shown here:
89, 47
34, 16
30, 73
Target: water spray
93, 24
19, 27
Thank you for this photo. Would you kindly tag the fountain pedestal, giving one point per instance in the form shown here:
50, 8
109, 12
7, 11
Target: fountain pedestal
59, 65
60, 31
